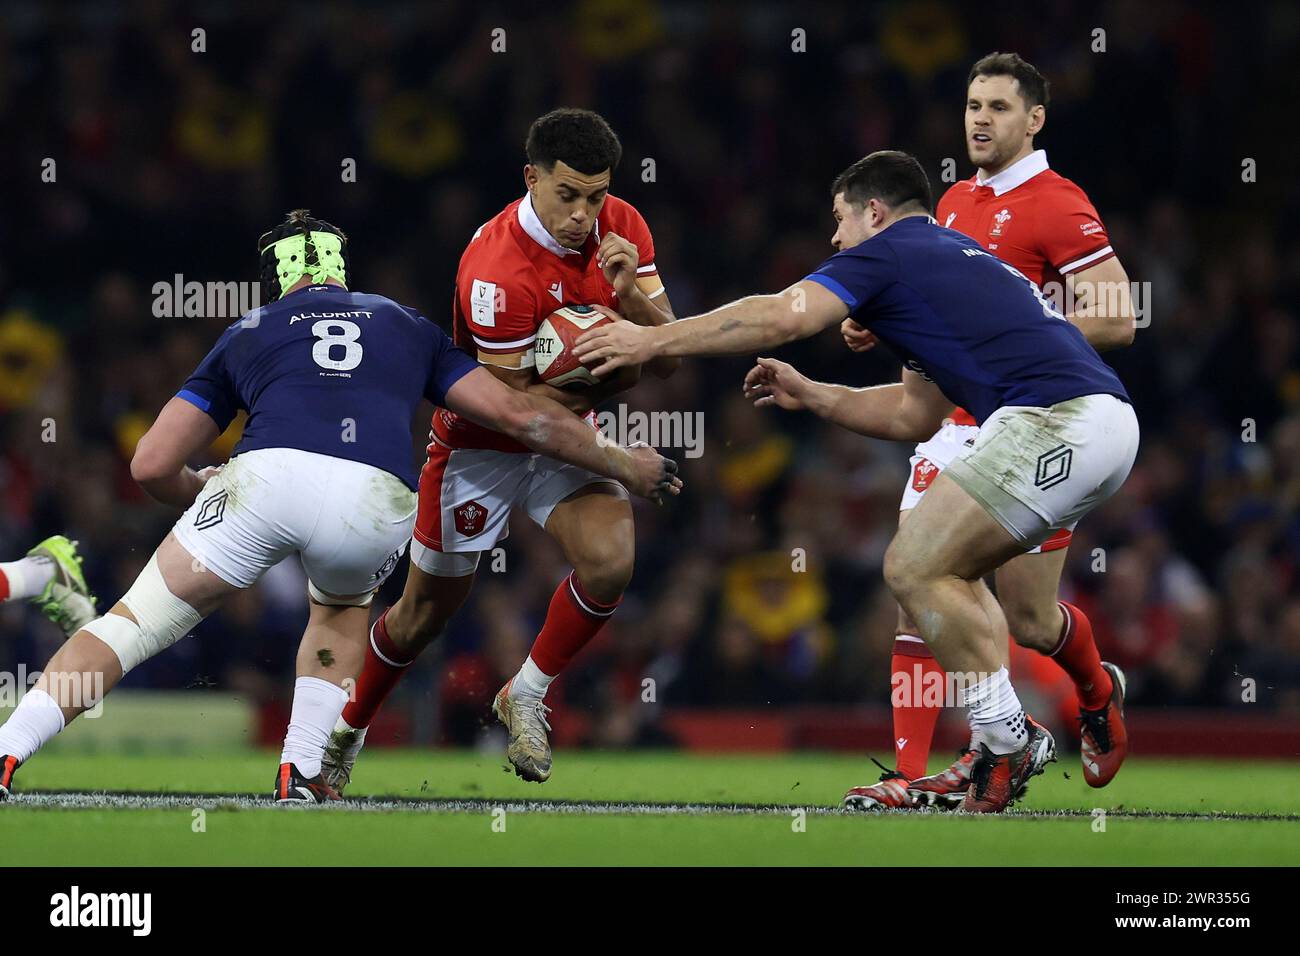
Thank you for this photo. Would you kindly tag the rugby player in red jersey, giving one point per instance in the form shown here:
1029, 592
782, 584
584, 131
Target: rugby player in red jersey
1022, 211
566, 241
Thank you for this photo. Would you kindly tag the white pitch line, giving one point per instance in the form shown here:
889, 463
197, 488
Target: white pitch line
103, 800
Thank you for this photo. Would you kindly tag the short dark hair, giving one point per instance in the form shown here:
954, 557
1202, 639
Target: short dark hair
580, 138
1034, 88
892, 176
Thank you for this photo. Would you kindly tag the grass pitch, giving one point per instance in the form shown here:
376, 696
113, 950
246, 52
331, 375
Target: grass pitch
459, 808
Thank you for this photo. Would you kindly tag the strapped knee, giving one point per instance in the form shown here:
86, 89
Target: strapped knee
161, 619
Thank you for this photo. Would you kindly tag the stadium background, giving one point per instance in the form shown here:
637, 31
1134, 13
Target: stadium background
172, 162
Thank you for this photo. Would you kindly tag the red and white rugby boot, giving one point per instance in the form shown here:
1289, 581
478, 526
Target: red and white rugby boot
889, 794
291, 786
946, 789
8, 765
1103, 735
999, 780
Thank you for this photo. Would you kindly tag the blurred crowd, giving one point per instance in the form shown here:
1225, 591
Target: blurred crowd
144, 143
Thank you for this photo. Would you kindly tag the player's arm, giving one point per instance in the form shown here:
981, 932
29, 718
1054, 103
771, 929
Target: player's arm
752, 324
642, 299
1074, 240
1103, 309
546, 427
578, 400
909, 411
180, 431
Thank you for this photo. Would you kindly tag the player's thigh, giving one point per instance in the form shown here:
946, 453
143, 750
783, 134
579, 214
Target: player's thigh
365, 520
1027, 587
948, 533
926, 464
592, 524
248, 517
188, 580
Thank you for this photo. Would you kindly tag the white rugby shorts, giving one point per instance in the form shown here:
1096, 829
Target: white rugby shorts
349, 521
467, 495
1036, 469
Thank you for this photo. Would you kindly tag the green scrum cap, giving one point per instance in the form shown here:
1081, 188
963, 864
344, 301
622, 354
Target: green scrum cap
301, 246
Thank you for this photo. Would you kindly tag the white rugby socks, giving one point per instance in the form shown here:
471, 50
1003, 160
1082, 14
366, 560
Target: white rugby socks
997, 719
27, 577
34, 722
531, 681
317, 706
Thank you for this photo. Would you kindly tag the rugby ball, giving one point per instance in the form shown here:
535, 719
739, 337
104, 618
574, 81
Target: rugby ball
553, 350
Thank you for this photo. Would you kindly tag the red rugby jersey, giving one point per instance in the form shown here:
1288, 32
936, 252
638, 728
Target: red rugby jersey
512, 275
1029, 216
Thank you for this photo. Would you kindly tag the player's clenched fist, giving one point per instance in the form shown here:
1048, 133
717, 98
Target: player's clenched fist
776, 383
618, 260
856, 337
653, 475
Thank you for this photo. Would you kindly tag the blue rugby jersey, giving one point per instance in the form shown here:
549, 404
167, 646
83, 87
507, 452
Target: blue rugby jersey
329, 371
974, 325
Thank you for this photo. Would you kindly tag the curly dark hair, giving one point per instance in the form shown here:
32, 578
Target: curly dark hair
579, 138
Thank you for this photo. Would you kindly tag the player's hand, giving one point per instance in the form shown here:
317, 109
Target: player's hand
615, 346
653, 475
618, 259
856, 337
776, 383
209, 472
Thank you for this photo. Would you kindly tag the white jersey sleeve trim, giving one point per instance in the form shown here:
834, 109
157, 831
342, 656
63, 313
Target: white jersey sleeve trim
517, 343
1080, 263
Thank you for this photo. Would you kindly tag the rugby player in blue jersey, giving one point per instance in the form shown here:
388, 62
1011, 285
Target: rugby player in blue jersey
1058, 434
330, 380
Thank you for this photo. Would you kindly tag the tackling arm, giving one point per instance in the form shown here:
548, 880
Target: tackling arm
747, 325
910, 411
578, 400
546, 427
178, 433
649, 306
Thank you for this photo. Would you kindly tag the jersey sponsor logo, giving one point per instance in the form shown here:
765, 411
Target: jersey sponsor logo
1090, 228
482, 301
1000, 219
923, 474
1053, 467
948, 222
471, 519
557, 289
211, 511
